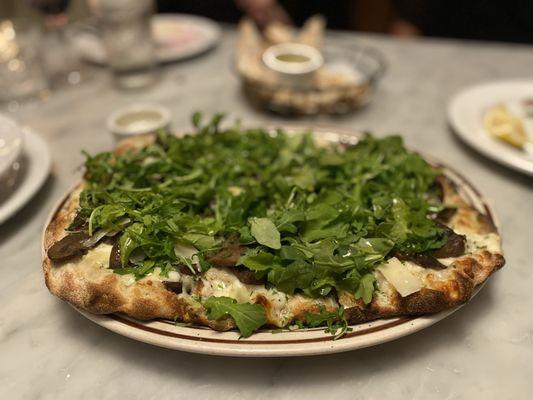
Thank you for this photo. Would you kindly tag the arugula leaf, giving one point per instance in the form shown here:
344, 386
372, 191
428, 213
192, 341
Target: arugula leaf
297, 275
366, 288
257, 261
336, 322
196, 119
265, 232
248, 317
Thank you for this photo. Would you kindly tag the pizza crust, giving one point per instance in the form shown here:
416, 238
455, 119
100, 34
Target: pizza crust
94, 287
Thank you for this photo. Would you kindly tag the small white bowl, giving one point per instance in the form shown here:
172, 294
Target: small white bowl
11, 146
138, 119
295, 63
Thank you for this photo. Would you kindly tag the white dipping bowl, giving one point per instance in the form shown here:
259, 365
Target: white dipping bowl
295, 63
11, 146
138, 119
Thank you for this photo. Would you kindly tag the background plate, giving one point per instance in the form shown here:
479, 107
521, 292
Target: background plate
177, 37
287, 343
35, 167
465, 113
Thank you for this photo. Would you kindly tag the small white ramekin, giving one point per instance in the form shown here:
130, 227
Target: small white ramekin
138, 119
307, 60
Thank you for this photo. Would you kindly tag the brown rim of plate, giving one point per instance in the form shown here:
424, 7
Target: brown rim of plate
134, 324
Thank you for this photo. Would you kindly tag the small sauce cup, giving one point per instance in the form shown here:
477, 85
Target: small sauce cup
138, 119
295, 63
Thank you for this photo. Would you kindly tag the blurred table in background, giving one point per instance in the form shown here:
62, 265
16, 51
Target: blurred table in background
50, 351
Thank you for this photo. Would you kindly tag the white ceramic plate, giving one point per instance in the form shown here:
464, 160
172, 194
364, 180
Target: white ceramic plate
11, 145
177, 36
35, 167
287, 343
467, 109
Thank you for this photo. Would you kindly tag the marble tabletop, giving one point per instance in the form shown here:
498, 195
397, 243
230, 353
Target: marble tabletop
485, 350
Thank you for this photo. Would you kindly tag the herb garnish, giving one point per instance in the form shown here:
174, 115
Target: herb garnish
336, 323
248, 317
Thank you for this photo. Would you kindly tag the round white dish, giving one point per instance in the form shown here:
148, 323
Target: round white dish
466, 111
137, 119
264, 343
11, 144
177, 36
35, 167
294, 63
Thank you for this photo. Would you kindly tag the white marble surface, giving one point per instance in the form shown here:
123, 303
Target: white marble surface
484, 351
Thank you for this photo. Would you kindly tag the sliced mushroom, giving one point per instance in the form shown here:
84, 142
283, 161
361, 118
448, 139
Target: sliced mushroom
78, 222
246, 276
445, 215
425, 260
114, 256
72, 245
454, 246
228, 256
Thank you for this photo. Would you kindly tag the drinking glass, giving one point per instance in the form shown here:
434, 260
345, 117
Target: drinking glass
127, 38
61, 60
21, 68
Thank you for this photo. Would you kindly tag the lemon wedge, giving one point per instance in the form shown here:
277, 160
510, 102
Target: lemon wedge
505, 126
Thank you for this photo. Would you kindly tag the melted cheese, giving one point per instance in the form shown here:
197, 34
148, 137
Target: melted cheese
93, 263
98, 256
406, 279
489, 242
218, 282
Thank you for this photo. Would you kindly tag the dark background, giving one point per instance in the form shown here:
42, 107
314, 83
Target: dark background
502, 20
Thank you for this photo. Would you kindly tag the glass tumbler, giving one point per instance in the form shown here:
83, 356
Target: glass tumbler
21, 68
128, 41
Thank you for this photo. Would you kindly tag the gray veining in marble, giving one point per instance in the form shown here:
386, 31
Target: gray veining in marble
484, 351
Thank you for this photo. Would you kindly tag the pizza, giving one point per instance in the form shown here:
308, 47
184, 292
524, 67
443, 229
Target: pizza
254, 228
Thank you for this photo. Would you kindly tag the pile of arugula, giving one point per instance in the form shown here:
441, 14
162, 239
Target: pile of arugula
313, 219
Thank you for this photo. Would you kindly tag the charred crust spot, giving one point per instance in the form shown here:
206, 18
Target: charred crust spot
195, 313
358, 315
102, 300
423, 302
355, 315
260, 299
468, 267
497, 260
174, 287
460, 289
